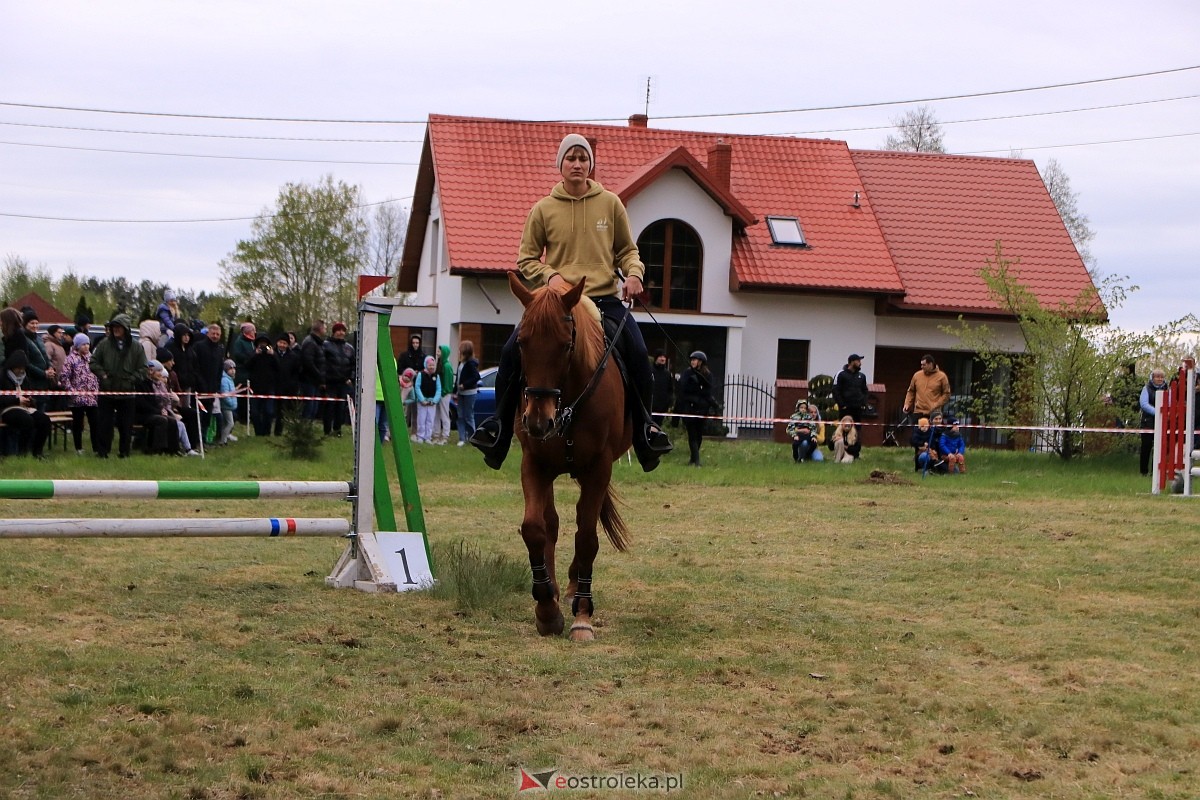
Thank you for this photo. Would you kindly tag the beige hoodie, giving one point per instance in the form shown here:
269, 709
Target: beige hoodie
580, 237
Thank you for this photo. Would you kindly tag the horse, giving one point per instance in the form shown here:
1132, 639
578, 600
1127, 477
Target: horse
571, 420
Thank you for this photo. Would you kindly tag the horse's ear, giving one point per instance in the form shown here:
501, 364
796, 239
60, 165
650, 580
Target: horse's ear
518, 289
572, 296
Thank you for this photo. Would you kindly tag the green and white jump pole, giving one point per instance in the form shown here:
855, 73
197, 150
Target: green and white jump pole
379, 557
171, 490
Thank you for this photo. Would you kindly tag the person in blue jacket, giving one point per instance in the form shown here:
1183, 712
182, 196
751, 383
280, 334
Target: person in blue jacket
953, 449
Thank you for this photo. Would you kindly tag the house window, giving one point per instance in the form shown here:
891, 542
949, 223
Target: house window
791, 360
673, 256
786, 230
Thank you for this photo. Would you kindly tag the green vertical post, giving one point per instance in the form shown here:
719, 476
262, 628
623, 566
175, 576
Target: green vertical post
385, 514
414, 514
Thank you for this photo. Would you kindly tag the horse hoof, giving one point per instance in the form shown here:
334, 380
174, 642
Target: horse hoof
582, 632
550, 627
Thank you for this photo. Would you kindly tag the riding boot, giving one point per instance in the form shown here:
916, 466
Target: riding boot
494, 435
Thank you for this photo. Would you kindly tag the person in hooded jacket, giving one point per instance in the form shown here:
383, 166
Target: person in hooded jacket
441, 421
186, 371
26, 428
339, 379
289, 380
263, 369
580, 231
696, 400
120, 366
312, 369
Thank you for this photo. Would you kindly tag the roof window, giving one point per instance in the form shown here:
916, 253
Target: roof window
786, 230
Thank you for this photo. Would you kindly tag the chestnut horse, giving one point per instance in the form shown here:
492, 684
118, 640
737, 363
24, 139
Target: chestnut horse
571, 420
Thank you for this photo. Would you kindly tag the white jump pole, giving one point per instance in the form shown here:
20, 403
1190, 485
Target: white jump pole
162, 528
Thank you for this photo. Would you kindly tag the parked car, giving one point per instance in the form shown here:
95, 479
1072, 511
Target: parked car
485, 400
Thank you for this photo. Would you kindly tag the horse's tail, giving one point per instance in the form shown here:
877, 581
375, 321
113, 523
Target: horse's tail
610, 520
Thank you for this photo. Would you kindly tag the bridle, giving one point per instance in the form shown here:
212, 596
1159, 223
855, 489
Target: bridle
564, 417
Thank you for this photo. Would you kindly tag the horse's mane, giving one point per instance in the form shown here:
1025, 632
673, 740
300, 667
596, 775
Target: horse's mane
545, 312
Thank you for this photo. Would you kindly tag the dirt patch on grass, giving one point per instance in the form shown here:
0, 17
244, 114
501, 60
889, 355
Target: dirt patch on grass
885, 477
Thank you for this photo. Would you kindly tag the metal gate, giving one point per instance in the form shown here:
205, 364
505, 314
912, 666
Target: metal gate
750, 403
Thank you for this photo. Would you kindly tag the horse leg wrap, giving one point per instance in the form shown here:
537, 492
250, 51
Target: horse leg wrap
583, 591
542, 590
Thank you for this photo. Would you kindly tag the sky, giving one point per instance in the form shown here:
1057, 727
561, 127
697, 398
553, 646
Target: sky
140, 139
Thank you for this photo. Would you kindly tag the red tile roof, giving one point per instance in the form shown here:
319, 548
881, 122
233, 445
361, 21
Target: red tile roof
942, 216
45, 309
919, 236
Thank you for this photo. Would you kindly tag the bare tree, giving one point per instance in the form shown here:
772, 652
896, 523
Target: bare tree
917, 131
1058, 183
385, 239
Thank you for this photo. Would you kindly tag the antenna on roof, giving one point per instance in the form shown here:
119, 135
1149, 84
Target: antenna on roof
647, 96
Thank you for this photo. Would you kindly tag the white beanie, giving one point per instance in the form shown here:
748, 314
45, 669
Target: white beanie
574, 140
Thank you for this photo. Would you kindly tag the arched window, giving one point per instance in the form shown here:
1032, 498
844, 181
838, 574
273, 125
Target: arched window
672, 253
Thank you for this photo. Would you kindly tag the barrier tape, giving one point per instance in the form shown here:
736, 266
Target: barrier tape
785, 420
676, 415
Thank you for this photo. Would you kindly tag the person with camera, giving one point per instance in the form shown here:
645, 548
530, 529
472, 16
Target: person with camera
263, 371
695, 400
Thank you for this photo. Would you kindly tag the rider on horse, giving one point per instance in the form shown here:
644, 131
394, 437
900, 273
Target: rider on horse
583, 231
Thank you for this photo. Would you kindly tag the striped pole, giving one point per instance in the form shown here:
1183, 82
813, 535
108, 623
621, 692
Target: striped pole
172, 490
163, 528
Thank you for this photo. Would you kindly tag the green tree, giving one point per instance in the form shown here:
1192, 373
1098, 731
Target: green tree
18, 278
1072, 362
303, 257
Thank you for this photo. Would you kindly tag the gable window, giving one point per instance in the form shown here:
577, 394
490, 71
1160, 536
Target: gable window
673, 256
786, 230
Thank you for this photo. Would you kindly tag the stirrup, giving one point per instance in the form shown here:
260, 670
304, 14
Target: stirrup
657, 440
486, 435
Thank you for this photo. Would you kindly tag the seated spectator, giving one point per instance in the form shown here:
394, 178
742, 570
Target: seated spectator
953, 449
152, 411
807, 432
26, 428
845, 443
922, 450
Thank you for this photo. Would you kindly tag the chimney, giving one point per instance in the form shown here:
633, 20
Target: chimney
720, 162
638, 120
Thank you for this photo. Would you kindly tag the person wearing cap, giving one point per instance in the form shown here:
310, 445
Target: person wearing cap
26, 428
153, 411
580, 232
288, 382
427, 391
168, 315
928, 390
953, 449
227, 403
120, 364
850, 388
82, 385
695, 401
40, 375
339, 379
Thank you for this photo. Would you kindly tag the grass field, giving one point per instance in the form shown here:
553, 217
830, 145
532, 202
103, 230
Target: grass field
1028, 630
